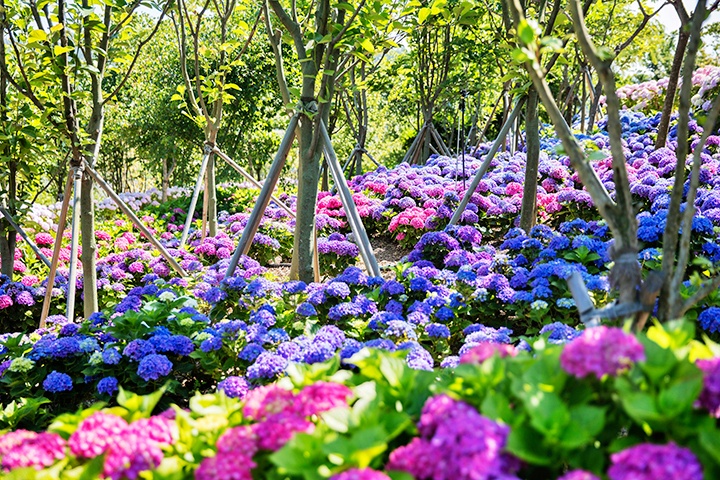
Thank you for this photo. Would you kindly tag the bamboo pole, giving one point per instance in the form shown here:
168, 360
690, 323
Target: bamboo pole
136, 221
252, 179
24, 236
351, 212
486, 163
56, 250
196, 192
264, 198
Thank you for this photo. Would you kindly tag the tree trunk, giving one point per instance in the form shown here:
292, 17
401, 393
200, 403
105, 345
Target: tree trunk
664, 126
308, 170
594, 106
8, 236
528, 213
87, 219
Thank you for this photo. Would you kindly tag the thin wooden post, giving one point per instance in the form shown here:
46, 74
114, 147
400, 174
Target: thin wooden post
251, 179
62, 220
411, 151
351, 212
24, 236
264, 198
196, 192
74, 243
486, 163
136, 221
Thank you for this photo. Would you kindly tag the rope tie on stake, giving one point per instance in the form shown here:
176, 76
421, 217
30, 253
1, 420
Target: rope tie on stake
208, 148
308, 108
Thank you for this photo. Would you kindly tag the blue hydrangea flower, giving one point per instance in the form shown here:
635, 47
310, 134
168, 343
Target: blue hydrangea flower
57, 382
111, 356
211, 344
437, 330
268, 365
107, 386
709, 319
306, 309
250, 352
154, 366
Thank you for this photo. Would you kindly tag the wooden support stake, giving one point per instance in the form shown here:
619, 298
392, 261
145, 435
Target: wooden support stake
136, 221
74, 243
486, 163
253, 223
62, 220
196, 192
24, 236
351, 212
252, 180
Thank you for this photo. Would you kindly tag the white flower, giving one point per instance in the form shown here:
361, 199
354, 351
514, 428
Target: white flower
166, 296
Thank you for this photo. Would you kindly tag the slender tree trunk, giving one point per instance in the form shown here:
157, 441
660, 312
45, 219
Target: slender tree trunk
87, 218
664, 126
528, 213
594, 106
8, 236
308, 169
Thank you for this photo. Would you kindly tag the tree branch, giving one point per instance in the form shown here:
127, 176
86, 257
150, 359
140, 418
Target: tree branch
137, 54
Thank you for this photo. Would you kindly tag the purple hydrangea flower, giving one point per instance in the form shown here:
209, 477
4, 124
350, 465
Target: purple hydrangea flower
648, 461
107, 386
601, 351
234, 387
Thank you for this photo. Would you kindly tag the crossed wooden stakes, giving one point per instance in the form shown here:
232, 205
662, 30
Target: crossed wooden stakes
74, 186
268, 186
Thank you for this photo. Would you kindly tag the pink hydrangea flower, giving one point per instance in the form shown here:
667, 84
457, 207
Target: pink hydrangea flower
479, 353
44, 238
95, 434
322, 396
267, 400
38, 452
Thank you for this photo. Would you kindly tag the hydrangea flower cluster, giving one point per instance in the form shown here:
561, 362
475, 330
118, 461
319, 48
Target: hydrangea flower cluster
649, 461
447, 425
601, 351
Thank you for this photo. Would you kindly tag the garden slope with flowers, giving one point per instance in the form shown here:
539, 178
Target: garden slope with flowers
468, 345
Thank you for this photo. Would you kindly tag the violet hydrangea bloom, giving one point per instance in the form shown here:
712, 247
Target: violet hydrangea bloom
234, 387
648, 461
476, 442
601, 351
710, 396
579, 475
360, 474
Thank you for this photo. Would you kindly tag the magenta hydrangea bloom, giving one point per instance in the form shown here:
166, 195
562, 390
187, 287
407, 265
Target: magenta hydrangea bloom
710, 396
239, 440
157, 428
43, 239
601, 351
322, 396
481, 352
476, 442
95, 434
266, 400
274, 432
579, 475
131, 454
648, 461
13, 439
225, 466
360, 474
39, 451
